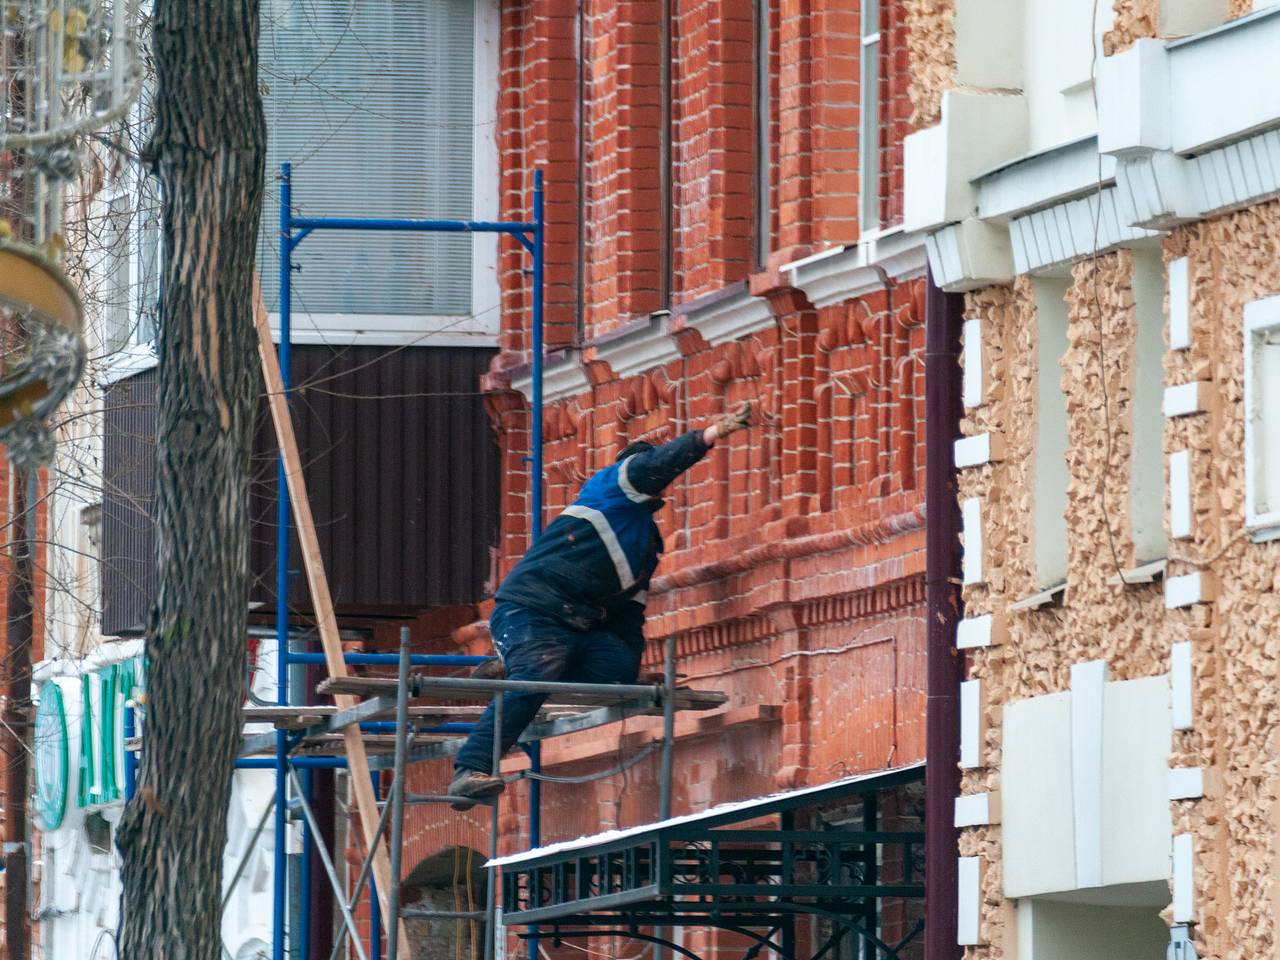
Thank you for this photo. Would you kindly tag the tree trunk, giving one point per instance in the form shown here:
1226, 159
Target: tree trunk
209, 147
17, 715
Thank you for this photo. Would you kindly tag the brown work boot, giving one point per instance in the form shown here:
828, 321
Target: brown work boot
490, 670
472, 787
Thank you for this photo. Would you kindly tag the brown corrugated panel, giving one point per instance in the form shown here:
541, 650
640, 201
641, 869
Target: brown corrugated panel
401, 467
128, 474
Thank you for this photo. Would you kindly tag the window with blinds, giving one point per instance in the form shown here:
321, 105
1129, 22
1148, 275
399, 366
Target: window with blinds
372, 103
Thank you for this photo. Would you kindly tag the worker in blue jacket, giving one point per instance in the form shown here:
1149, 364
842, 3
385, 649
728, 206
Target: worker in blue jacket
572, 609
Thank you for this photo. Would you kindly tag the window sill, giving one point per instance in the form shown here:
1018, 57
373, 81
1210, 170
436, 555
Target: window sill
1264, 530
1140, 575
1049, 597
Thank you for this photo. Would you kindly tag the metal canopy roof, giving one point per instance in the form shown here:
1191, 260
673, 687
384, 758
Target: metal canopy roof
714, 869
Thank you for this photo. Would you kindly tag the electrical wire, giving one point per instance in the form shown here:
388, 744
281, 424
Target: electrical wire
592, 777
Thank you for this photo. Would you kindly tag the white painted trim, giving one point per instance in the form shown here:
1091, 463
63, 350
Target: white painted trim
563, 377
986, 630
977, 810
1188, 589
1180, 512
843, 273
486, 291
729, 318
978, 450
971, 512
1187, 399
127, 362
1042, 598
1184, 878
1181, 687
388, 330
1065, 232
970, 254
1186, 783
1137, 576
972, 724
646, 348
969, 897
1088, 689
1043, 178
1261, 320
1179, 291
975, 370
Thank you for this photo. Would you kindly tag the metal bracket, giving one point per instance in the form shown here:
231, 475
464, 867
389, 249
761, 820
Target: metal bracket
1180, 945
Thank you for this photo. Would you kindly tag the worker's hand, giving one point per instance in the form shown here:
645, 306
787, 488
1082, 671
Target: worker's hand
738, 418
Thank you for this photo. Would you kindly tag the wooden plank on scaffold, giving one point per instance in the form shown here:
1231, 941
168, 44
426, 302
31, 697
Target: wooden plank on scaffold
322, 602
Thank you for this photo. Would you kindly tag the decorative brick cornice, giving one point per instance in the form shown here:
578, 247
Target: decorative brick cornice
881, 530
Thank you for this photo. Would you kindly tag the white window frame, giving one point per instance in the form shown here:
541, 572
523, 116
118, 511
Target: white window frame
1261, 416
870, 207
481, 327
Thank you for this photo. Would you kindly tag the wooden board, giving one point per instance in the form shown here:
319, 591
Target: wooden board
322, 602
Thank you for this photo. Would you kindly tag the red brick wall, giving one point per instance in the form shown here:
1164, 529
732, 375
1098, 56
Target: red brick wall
793, 578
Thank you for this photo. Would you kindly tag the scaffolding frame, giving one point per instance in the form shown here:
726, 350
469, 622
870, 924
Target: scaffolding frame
310, 727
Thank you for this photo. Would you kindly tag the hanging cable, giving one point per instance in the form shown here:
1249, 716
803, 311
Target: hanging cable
591, 777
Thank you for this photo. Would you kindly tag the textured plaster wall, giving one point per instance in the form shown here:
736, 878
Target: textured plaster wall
1236, 637
1236, 640
931, 44
1135, 19
1124, 625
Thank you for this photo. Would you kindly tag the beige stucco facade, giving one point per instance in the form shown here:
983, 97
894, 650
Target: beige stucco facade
1120, 769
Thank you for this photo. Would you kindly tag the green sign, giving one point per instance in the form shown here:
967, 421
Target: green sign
51, 757
99, 762
103, 698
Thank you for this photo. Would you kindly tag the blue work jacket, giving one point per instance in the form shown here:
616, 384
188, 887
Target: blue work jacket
592, 564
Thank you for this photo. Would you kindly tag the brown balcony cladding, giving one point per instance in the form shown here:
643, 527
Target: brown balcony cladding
401, 468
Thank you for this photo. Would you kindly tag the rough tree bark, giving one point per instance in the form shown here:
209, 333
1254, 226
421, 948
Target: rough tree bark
208, 149
16, 736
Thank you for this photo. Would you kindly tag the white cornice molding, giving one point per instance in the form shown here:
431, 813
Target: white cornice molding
562, 377
1068, 231
644, 348
729, 318
843, 273
1185, 129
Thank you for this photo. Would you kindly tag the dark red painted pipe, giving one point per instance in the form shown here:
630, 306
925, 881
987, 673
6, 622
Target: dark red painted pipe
943, 318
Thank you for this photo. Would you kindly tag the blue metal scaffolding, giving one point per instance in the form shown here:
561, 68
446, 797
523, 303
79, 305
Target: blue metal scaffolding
293, 230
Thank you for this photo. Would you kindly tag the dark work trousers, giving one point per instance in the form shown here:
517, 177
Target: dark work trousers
536, 647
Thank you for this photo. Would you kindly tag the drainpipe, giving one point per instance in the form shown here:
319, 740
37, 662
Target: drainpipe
943, 317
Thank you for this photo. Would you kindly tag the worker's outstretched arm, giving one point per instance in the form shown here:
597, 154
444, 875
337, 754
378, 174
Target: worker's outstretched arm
650, 471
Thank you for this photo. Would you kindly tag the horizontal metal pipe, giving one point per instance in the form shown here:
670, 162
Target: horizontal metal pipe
438, 798
418, 660
269, 763
621, 691
428, 914
389, 726
428, 226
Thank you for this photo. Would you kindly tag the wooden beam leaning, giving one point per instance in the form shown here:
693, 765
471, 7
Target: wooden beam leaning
322, 602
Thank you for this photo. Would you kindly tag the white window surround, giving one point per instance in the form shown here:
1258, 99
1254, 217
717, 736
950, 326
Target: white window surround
480, 327
1262, 418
